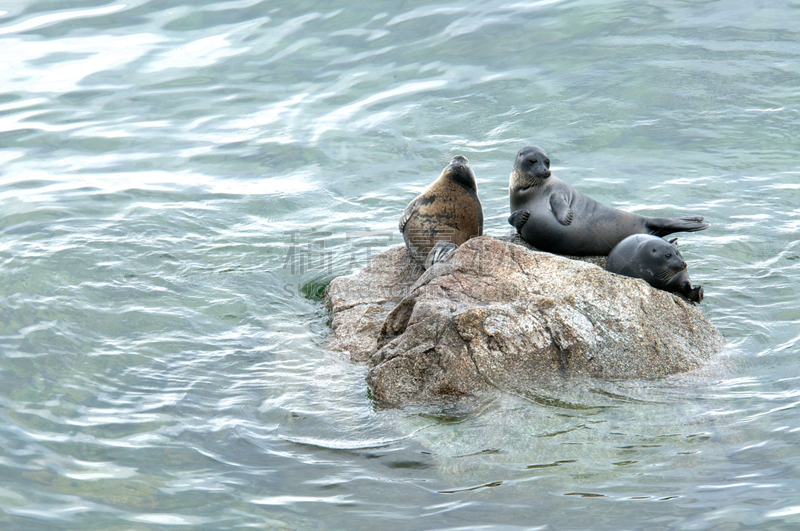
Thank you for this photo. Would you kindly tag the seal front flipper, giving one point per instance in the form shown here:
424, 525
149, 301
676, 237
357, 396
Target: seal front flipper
561, 208
407, 213
664, 226
694, 294
519, 218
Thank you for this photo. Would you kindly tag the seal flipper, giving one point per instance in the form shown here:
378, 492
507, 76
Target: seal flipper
518, 218
561, 208
696, 294
440, 253
663, 226
693, 294
407, 213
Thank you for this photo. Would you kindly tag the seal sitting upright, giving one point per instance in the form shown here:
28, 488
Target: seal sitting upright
553, 216
449, 211
655, 260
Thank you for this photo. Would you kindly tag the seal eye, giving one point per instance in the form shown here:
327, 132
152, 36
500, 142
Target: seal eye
668, 255
547, 162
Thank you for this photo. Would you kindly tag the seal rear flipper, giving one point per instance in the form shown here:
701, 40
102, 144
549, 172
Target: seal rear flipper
440, 253
663, 226
518, 218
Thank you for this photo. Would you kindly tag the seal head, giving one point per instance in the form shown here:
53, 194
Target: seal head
459, 172
531, 168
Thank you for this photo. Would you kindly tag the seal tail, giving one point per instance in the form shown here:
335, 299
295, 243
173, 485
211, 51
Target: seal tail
440, 253
663, 226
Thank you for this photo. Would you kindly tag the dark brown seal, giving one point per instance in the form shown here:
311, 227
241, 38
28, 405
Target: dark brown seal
553, 216
448, 211
655, 260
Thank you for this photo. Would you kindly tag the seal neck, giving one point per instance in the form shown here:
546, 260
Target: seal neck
520, 180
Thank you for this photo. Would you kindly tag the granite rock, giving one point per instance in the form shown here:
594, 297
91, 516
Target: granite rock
497, 314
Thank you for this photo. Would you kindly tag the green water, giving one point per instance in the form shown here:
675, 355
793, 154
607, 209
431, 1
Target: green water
178, 180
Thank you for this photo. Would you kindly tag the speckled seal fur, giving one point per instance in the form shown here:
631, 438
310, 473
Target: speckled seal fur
447, 211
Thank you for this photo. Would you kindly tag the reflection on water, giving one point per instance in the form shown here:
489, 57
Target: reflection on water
179, 181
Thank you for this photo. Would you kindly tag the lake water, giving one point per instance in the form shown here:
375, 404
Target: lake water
180, 179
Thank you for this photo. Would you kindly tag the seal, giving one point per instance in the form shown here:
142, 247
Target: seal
655, 260
447, 211
553, 216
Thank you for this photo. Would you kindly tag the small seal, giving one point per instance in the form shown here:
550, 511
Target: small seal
655, 260
553, 216
447, 211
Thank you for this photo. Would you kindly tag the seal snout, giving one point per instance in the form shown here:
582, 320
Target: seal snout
675, 261
459, 164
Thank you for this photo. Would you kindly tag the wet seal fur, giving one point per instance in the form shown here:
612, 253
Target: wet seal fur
655, 260
553, 216
448, 211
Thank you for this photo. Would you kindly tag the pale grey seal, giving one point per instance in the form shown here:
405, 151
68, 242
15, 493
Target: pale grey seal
553, 216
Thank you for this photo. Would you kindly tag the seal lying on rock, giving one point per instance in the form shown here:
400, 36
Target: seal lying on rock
448, 211
655, 260
553, 216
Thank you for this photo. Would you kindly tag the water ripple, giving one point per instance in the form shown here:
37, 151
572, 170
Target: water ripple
179, 181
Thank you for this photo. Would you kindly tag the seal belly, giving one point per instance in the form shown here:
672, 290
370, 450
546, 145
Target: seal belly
595, 229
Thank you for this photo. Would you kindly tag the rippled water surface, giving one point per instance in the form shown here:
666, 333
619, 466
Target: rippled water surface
179, 180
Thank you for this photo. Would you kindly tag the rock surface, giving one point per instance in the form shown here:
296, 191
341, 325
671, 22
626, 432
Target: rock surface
498, 314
